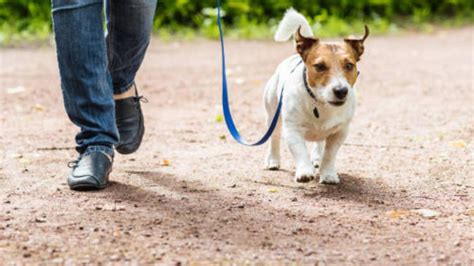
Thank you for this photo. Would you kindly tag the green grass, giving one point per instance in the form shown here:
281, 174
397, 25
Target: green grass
39, 33
10, 36
25, 21
330, 28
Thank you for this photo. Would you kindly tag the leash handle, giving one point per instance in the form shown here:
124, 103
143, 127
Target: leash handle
225, 97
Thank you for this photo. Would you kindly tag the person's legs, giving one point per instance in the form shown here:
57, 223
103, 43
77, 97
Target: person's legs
129, 27
129, 24
85, 82
87, 88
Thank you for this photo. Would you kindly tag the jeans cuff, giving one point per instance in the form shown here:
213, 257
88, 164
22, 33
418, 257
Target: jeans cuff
123, 89
105, 149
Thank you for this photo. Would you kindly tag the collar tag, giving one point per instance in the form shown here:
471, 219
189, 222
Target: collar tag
316, 112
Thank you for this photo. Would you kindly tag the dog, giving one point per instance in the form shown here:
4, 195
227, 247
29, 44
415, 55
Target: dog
318, 102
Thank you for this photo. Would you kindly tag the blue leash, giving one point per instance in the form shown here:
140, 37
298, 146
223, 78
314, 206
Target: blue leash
225, 99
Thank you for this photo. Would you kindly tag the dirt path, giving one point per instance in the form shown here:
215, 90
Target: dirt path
410, 147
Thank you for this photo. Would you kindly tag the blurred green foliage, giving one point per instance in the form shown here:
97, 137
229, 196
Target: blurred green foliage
25, 19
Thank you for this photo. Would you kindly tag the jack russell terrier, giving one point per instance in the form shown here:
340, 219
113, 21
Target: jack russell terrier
319, 99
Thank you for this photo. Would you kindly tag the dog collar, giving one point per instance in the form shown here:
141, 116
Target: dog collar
308, 89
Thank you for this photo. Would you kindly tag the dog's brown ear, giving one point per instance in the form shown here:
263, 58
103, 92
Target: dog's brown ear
303, 44
358, 44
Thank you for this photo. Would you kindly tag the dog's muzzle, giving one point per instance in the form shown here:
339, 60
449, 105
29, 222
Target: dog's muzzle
340, 94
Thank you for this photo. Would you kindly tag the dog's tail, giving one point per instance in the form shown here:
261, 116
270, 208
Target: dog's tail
290, 24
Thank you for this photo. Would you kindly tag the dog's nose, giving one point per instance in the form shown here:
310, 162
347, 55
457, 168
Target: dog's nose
340, 92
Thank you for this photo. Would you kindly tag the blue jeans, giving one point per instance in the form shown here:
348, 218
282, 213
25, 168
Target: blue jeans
94, 66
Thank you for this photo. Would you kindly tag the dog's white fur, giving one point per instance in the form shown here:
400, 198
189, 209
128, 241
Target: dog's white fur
291, 21
297, 120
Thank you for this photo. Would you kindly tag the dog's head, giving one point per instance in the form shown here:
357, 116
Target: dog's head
331, 67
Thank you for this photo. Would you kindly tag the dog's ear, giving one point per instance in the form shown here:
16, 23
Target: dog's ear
304, 44
358, 43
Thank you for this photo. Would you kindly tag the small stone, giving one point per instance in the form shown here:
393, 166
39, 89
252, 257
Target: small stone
40, 220
426, 213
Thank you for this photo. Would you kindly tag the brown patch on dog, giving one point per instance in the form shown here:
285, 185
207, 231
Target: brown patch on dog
325, 60
358, 43
304, 44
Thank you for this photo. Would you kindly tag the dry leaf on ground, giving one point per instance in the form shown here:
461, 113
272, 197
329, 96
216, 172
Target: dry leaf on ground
397, 213
165, 162
426, 213
460, 144
39, 108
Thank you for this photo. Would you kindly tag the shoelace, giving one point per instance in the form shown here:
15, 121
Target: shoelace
141, 99
73, 164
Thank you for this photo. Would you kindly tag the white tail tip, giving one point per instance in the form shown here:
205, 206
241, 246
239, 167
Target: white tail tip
290, 23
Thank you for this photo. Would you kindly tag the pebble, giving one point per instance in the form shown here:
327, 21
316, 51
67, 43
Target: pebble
40, 220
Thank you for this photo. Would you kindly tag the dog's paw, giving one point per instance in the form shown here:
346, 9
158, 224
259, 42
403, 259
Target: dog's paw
272, 164
316, 155
329, 179
304, 175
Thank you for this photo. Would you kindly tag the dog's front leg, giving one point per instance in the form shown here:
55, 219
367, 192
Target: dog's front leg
328, 174
317, 153
297, 146
272, 160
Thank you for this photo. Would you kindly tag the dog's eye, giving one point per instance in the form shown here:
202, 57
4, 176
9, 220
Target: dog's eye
349, 66
320, 67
